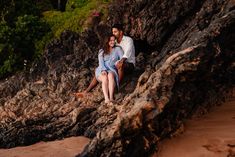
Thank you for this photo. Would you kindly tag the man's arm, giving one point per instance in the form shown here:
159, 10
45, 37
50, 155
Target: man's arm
123, 60
128, 48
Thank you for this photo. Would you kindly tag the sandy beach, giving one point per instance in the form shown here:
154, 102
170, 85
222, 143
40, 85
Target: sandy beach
68, 147
212, 135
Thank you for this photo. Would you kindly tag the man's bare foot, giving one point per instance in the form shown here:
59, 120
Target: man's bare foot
80, 94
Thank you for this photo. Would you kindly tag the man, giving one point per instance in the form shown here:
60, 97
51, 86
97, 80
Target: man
126, 64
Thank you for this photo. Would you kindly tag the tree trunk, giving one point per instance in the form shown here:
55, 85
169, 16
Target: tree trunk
59, 5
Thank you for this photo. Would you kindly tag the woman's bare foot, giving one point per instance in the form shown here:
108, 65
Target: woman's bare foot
107, 101
112, 101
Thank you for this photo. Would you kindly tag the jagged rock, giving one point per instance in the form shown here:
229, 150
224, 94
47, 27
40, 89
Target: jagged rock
185, 74
185, 64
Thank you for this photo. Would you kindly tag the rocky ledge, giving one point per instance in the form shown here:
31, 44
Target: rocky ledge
185, 63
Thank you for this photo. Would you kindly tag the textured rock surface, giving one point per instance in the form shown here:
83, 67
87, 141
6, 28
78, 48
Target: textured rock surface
185, 63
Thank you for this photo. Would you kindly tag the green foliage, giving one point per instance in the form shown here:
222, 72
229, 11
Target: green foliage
28, 29
74, 19
8, 65
25, 30
5, 32
11, 9
72, 4
5, 38
40, 44
44, 5
17, 43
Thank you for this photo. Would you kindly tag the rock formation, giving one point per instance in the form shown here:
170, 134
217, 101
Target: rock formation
185, 64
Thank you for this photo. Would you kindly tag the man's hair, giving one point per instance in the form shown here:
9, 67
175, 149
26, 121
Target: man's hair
118, 26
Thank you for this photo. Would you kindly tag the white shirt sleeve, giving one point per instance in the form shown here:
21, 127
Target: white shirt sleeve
128, 48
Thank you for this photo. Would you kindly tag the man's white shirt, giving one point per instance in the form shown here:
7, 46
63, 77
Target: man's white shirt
128, 47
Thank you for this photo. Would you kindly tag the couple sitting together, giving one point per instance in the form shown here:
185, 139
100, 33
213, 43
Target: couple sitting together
115, 59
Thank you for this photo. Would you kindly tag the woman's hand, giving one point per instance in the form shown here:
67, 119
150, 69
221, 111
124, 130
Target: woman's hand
104, 72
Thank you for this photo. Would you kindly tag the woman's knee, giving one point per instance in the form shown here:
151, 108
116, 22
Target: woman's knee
104, 78
110, 75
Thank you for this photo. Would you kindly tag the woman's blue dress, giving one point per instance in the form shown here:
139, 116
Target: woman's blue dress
107, 62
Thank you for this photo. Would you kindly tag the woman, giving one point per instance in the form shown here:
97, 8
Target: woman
106, 73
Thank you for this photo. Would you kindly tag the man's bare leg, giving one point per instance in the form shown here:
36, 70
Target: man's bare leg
92, 85
120, 74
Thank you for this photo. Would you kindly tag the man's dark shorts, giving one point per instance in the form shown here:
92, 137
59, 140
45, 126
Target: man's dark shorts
128, 67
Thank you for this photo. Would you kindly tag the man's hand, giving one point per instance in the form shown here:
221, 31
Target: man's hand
120, 63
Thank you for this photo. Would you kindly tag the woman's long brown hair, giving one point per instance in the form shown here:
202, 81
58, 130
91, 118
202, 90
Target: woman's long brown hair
106, 44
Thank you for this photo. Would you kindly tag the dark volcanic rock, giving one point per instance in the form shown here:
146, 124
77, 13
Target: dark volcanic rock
185, 65
192, 67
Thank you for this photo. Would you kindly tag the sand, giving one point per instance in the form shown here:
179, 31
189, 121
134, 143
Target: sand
212, 135
68, 147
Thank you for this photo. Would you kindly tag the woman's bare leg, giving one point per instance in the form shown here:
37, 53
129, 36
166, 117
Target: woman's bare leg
104, 80
111, 82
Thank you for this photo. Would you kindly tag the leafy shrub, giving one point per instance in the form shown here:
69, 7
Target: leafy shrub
73, 19
28, 30
17, 43
24, 31
10, 10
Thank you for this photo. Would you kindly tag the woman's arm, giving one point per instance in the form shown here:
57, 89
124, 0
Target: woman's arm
120, 53
101, 60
